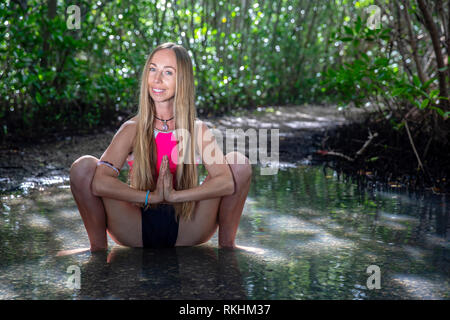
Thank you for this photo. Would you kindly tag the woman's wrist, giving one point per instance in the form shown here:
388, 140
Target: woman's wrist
154, 198
174, 196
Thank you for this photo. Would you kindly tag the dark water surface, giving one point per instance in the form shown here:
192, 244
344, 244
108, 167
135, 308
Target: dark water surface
305, 234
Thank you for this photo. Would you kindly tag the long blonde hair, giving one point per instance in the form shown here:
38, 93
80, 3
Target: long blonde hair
143, 175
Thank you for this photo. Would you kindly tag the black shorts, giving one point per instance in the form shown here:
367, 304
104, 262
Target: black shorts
159, 227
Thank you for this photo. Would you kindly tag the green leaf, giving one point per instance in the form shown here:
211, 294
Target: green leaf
397, 91
358, 24
348, 30
427, 83
417, 104
424, 104
382, 62
438, 110
39, 98
434, 93
416, 81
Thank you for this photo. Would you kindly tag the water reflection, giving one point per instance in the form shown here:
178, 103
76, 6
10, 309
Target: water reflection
180, 273
305, 234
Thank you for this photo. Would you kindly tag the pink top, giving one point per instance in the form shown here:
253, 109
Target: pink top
165, 145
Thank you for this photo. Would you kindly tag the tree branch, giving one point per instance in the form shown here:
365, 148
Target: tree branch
357, 154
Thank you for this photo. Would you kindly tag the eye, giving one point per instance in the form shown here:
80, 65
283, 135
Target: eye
152, 69
169, 73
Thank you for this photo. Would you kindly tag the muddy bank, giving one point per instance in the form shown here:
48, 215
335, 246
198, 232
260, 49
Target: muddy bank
301, 129
389, 157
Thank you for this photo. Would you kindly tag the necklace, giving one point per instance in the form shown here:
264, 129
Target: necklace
165, 126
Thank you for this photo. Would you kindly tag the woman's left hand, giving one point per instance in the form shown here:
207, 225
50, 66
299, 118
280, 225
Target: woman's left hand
169, 192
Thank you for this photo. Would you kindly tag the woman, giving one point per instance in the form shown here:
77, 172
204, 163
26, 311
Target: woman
163, 206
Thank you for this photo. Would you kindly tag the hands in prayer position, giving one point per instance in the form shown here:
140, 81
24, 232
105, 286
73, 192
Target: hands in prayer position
164, 186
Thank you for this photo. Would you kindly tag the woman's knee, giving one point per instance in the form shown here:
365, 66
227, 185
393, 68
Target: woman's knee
240, 166
82, 170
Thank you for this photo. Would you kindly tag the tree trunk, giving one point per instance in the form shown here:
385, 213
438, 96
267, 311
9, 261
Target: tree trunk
51, 13
434, 34
413, 42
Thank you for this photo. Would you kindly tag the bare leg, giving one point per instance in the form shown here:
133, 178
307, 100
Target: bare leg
231, 206
91, 207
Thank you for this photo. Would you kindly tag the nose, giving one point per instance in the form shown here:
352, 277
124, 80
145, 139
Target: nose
158, 77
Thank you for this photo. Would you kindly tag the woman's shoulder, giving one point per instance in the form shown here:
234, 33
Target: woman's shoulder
128, 130
130, 124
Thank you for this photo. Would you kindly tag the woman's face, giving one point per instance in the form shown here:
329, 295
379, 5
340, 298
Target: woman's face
162, 76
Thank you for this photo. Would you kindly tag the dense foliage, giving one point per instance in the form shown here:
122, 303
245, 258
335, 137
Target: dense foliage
245, 53
395, 66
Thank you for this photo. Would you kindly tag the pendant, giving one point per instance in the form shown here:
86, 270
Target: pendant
165, 127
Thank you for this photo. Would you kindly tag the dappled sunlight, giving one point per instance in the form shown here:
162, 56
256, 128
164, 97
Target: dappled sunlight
307, 212
404, 199
414, 252
18, 202
423, 288
287, 224
390, 224
397, 217
69, 214
325, 242
327, 223
38, 221
253, 250
63, 253
44, 278
265, 253
270, 255
434, 240
303, 124
53, 198
72, 238
7, 291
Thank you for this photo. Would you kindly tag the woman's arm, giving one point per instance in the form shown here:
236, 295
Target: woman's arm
105, 182
219, 184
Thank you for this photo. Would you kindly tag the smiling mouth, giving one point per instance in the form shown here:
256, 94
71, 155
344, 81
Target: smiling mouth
158, 91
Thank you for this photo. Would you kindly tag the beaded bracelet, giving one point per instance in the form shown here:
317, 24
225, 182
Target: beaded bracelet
106, 163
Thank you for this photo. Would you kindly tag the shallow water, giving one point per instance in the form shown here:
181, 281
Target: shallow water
305, 234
